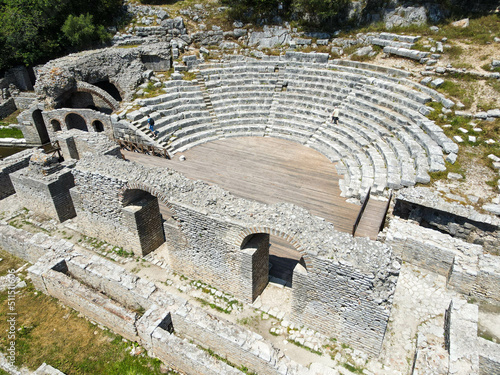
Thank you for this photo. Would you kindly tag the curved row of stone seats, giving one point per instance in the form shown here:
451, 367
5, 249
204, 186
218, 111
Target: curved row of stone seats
389, 75
182, 107
383, 138
410, 123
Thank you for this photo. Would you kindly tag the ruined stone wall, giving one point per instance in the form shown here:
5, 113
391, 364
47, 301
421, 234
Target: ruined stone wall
489, 357
438, 252
488, 279
461, 337
45, 195
9, 165
431, 210
349, 281
75, 142
342, 302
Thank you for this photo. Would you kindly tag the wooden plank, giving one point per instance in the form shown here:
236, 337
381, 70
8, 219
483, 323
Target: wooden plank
267, 170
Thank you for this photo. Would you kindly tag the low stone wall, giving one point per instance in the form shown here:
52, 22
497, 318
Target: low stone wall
106, 293
489, 357
431, 210
461, 337
7, 108
436, 252
10, 165
75, 142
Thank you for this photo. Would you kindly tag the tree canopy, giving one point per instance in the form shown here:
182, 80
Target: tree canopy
35, 30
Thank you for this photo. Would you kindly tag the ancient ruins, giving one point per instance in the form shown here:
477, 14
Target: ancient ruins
345, 287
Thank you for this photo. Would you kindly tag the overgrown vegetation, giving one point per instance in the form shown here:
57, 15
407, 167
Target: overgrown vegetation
51, 333
36, 30
10, 133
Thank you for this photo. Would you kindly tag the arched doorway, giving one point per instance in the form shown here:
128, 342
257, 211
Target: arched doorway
267, 258
40, 126
142, 213
98, 126
283, 258
56, 125
75, 121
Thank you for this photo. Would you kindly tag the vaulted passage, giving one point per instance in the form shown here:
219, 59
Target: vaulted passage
109, 88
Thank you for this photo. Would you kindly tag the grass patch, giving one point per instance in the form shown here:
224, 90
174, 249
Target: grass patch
352, 368
10, 133
50, 333
296, 343
10, 119
9, 262
459, 90
188, 76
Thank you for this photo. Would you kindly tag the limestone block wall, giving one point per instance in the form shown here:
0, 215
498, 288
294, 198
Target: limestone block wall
488, 279
45, 195
342, 302
461, 337
9, 165
489, 357
56, 120
29, 246
428, 208
467, 269
348, 283
436, 252
74, 143
7, 107
208, 254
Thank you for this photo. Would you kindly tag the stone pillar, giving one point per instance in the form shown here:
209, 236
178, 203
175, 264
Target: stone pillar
144, 219
43, 187
254, 266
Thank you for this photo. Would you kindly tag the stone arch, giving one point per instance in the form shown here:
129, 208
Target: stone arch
98, 126
99, 92
75, 121
110, 88
56, 125
40, 126
254, 245
245, 235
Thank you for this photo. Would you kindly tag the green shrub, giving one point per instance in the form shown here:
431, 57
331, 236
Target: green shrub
81, 31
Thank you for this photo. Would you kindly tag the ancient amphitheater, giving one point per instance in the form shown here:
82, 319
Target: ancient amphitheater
401, 294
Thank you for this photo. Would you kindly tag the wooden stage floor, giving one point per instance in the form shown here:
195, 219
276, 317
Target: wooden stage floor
271, 170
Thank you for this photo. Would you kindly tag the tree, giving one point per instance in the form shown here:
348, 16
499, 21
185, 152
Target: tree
81, 31
321, 12
30, 31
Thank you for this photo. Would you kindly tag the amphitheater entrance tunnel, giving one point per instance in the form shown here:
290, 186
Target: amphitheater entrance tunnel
267, 258
142, 212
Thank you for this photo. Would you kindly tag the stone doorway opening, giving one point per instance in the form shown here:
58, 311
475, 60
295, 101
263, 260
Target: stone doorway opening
142, 214
40, 126
283, 258
268, 259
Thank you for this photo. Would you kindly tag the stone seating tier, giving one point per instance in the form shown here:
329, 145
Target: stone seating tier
383, 139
